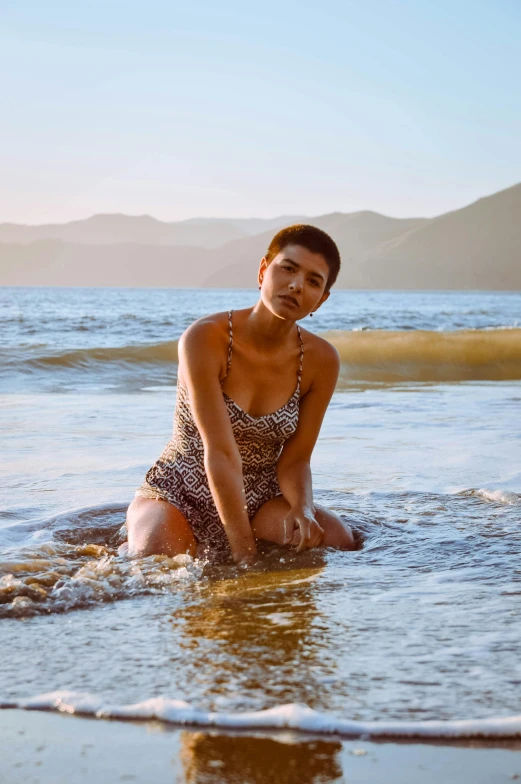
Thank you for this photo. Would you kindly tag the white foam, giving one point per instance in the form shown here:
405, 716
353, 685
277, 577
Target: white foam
291, 716
500, 496
24, 532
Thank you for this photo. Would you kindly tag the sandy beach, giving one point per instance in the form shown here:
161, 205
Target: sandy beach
43, 748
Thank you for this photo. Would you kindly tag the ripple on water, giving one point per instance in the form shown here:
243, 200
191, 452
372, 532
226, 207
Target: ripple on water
423, 622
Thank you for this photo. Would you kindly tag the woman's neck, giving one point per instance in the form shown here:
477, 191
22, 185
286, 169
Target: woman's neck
265, 330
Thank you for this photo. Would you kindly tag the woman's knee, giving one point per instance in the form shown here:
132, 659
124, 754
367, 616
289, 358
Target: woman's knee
268, 521
337, 533
268, 524
156, 527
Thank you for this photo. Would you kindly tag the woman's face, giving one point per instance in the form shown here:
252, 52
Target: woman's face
294, 283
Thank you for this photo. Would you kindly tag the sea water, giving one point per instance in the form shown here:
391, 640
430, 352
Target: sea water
420, 450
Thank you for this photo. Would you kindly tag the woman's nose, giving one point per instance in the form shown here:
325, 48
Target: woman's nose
296, 283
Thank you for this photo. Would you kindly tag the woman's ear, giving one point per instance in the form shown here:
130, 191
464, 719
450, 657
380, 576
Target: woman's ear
263, 266
322, 299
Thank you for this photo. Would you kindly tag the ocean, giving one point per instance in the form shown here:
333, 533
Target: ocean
420, 450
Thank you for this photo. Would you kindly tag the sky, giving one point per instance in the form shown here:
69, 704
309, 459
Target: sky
234, 109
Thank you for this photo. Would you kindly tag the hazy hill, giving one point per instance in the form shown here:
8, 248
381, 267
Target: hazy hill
355, 233
477, 247
56, 263
474, 247
117, 229
255, 225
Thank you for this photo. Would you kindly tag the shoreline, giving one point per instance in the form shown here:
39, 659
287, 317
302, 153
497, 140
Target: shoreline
53, 748
297, 718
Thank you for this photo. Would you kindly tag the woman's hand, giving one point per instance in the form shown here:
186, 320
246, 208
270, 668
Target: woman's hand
301, 528
245, 557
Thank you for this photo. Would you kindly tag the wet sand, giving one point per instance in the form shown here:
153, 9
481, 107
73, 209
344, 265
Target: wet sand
45, 748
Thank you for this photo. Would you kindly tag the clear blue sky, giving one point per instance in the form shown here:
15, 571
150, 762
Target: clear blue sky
236, 109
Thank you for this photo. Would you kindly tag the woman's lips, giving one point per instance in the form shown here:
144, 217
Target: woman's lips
288, 299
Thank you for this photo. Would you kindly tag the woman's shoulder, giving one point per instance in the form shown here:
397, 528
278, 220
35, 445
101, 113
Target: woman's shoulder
204, 344
210, 329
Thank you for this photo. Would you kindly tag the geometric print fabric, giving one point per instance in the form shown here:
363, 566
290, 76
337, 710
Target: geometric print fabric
178, 476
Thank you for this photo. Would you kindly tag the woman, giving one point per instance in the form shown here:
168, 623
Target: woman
253, 388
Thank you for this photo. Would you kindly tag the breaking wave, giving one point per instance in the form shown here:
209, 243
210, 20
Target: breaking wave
420, 355
70, 561
372, 355
505, 497
147, 354
290, 716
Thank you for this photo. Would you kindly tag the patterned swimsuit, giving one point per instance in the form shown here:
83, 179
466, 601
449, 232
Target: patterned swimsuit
179, 476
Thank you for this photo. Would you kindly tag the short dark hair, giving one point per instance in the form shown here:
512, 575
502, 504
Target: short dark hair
313, 239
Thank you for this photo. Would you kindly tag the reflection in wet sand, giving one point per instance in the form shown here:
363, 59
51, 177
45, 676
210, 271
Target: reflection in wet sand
209, 758
256, 639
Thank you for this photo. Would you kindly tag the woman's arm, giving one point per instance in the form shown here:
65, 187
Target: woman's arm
201, 350
293, 467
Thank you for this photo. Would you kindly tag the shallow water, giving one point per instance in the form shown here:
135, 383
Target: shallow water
422, 623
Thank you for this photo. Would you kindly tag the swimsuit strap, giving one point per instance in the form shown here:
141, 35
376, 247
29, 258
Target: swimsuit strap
299, 374
230, 344
230, 351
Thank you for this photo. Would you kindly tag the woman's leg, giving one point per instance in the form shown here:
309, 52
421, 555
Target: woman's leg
156, 527
268, 524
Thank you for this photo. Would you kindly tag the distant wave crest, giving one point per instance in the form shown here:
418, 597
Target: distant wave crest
422, 355
505, 497
372, 355
148, 354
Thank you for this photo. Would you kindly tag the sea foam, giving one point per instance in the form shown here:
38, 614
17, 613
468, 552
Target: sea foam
499, 496
290, 716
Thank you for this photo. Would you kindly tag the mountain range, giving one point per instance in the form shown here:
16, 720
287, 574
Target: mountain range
475, 247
